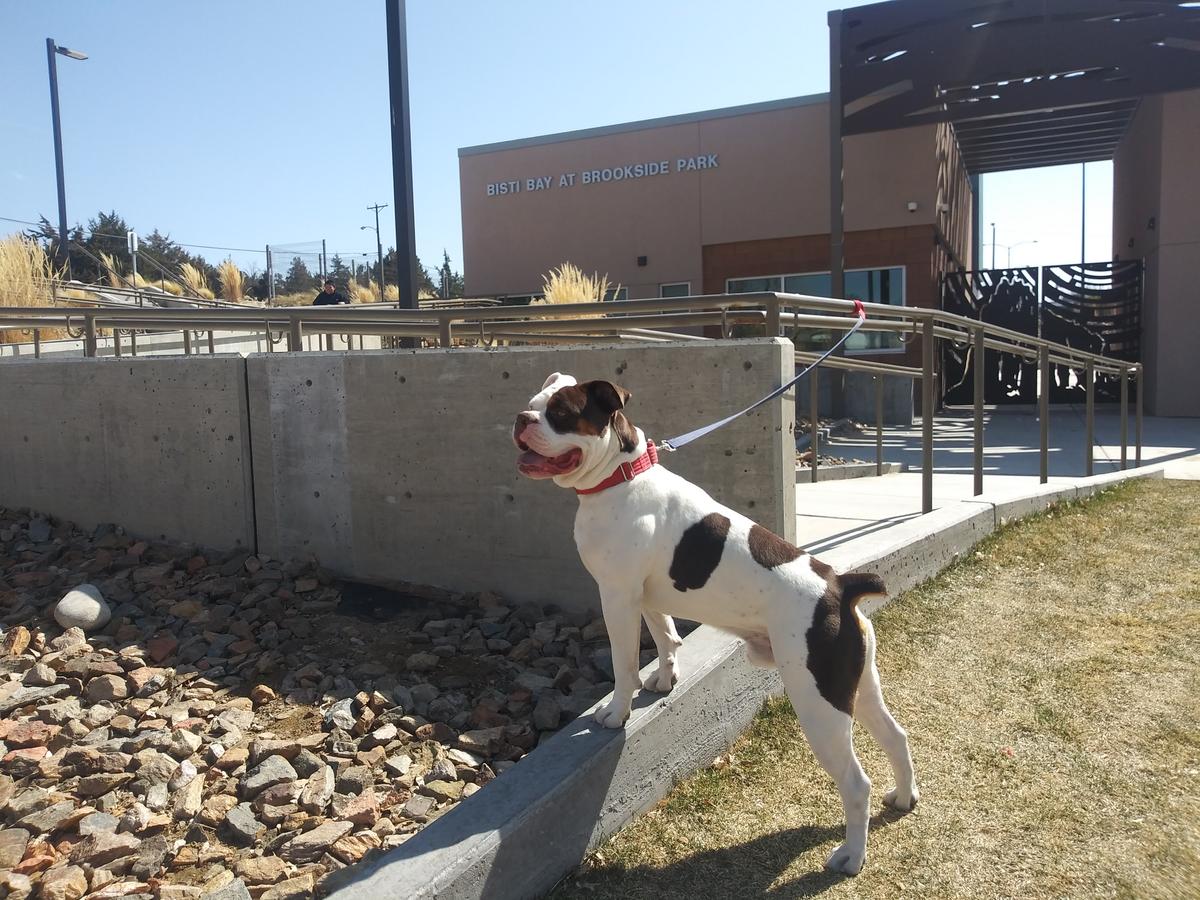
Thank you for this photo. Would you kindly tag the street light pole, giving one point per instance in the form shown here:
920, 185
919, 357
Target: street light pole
379, 245
61, 258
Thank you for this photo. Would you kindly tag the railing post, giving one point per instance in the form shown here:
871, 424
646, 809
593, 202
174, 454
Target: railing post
773, 317
132, 343
1090, 425
187, 342
978, 355
89, 338
37, 343
117, 342
878, 424
211, 348
1137, 428
1124, 417
295, 334
444, 332
814, 400
1044, 410
927, 390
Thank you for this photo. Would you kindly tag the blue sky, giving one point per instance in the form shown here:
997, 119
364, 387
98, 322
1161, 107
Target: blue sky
245, 123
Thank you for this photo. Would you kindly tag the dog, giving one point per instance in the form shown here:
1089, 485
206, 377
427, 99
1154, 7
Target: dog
659, 546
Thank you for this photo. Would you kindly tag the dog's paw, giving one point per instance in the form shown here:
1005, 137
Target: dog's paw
846, 860
903, 801
662, 680
612, 715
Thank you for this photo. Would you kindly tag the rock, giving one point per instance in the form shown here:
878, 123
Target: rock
98, 849
307, 763
189, 800
288, 749
235, 890
39, 531
48, 820
418, 808
340, 715
443, 790
442, 770
261, 869
27, 734
16, 641
399, 764
271, 771
150, 857
422, 662
28, 696
16, 886
183, 775
147, 680
298, 888
162, 647
241, 826
317, 791
106, 688
83, 608
354, 780
261, 694
67, 883
437, 731
13, 842
215, 808
308, 846
483, 741
353, 847
98, 823
547, 712
41, 675
233, 759
362, 810
135, 820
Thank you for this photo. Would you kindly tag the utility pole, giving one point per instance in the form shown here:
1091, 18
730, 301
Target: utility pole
61, 258
379, 245
402, 179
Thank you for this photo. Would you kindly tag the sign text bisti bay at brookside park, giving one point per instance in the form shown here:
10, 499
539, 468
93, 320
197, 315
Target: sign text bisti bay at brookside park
630, 172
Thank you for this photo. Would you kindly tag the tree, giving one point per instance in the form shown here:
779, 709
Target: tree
450, 283
298, 279
339, 271
425, 284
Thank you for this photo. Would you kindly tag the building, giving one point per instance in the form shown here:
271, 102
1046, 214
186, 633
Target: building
739, 199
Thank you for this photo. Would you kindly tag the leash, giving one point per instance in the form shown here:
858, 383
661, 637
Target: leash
676, 442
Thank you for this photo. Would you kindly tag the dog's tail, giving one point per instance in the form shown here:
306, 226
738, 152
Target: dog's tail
857, 585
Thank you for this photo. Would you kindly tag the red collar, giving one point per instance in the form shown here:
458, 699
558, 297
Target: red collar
626, 471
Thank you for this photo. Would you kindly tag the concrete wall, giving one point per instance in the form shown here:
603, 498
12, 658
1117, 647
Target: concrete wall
159, 446
400, 466
1156, 198
771, 181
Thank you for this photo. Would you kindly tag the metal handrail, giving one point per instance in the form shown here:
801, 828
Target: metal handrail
639, 320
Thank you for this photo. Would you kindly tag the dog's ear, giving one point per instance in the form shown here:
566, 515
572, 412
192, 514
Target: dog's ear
607, 396
554, 376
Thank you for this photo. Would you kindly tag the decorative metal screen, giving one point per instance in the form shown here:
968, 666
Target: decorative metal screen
1094, 307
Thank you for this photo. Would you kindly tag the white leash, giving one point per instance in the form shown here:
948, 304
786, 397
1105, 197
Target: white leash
676, 442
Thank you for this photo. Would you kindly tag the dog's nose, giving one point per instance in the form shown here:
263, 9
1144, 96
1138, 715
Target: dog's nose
524, 419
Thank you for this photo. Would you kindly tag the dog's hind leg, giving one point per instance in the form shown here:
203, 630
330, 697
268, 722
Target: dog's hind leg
829, 733
668, 642
870, 709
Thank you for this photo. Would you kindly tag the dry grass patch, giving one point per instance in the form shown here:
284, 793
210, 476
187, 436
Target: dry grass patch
1049, 684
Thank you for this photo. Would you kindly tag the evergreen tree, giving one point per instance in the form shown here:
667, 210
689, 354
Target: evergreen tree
298, 279
339, 271
450, 283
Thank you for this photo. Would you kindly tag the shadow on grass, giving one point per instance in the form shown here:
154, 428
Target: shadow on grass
747, 870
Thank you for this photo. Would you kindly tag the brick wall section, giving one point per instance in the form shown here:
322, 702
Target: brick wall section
912, 247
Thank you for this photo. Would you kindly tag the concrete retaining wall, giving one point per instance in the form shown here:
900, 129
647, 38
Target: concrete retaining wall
159, 446
400, 466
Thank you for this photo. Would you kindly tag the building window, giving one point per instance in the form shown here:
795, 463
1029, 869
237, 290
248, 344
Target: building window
884, 285
616, 294
675, 289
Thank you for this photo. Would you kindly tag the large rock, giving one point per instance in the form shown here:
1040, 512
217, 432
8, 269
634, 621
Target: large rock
84, 607
67, 883
309, 846
271, 771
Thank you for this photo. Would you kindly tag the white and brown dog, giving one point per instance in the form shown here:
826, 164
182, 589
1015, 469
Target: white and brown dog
659, 546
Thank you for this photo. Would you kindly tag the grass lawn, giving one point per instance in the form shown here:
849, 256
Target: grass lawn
1050, 686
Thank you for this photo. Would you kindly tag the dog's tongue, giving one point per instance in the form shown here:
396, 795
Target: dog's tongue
530, 462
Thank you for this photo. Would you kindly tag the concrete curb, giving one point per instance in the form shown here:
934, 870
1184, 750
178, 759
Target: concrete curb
520, 836
842, 472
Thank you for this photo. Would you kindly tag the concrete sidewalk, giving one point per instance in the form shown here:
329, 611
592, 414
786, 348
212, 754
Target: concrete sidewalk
830, 513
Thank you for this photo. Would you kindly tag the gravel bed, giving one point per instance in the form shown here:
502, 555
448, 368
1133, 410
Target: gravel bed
228, 725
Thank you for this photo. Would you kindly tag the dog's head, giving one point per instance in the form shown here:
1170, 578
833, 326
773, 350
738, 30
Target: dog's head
569, 427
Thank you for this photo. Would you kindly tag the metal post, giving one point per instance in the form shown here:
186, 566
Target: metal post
211, 348
837, 219
773, 318
1137, 427
444, 332
324, 260
814, 401
1124, 417
402, 180
270, 277
295, 334
878, 424
1090, 436
187, 342
977, 353
89, 339
117, 342
1044, 410
37, 343
61, 257
927, 341
133, 343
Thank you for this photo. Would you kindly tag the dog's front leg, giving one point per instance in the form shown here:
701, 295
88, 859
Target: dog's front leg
623, 619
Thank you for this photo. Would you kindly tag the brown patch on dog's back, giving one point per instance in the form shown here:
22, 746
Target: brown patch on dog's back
698, 552
769, 549
837, 647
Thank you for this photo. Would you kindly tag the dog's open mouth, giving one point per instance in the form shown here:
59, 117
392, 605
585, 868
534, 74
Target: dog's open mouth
534, 465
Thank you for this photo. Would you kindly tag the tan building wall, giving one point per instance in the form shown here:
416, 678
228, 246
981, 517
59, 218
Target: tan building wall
770, 182
1156, 215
